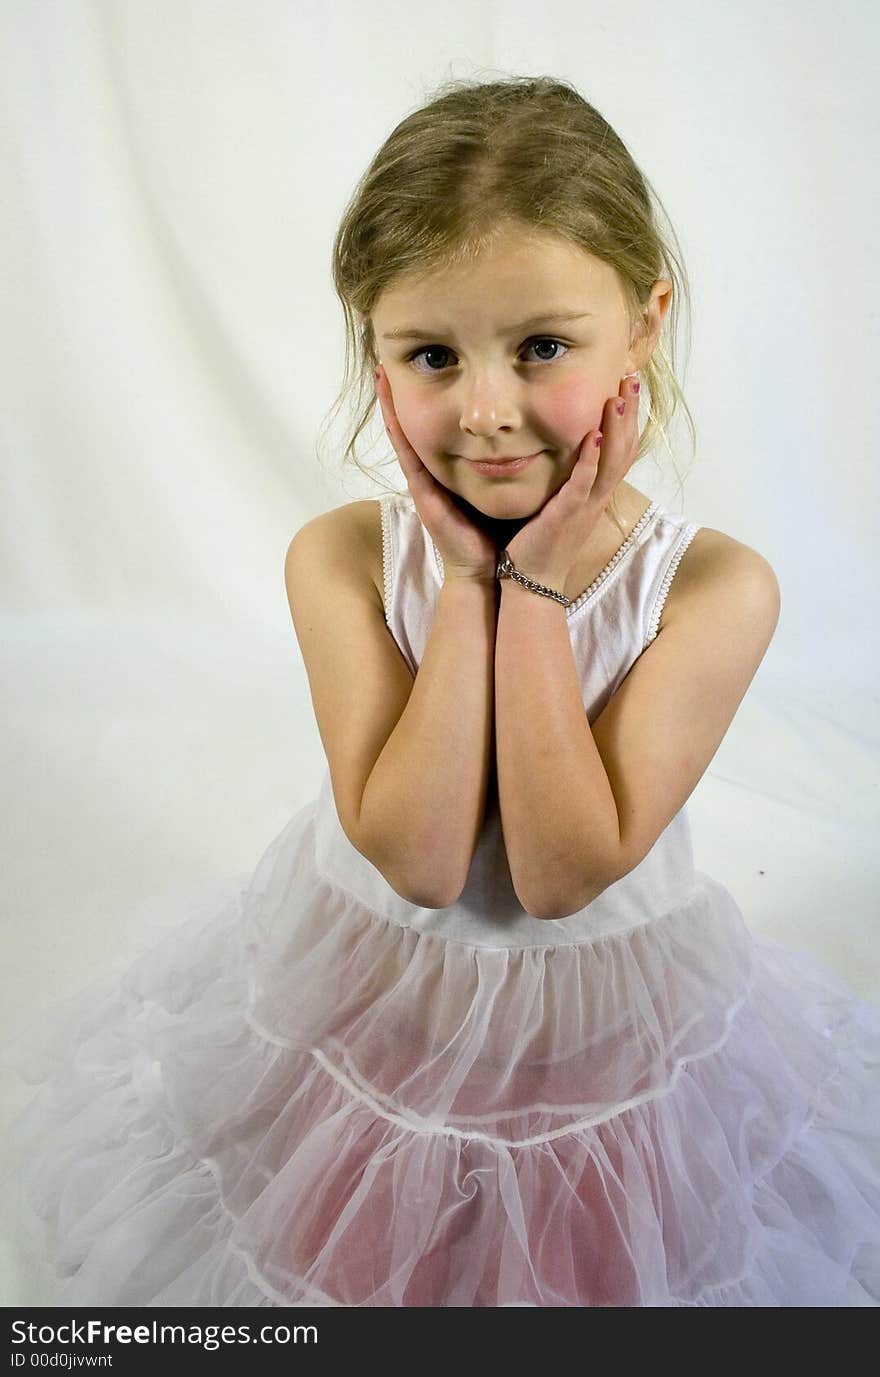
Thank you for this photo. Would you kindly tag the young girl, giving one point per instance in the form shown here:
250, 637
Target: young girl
476, 1032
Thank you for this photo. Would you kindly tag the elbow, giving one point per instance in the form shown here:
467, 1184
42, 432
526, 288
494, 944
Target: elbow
550, 906
426, 896
421, 890
416, 885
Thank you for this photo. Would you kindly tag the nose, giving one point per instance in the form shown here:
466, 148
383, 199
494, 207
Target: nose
488, 404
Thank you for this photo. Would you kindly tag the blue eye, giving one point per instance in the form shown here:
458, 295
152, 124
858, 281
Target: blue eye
529, 344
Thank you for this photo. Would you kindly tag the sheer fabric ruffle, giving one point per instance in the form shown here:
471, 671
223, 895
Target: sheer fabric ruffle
295, 1101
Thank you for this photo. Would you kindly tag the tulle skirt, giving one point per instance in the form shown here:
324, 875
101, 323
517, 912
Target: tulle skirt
295, 1101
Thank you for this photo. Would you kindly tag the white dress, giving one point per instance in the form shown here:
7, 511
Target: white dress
318, 1094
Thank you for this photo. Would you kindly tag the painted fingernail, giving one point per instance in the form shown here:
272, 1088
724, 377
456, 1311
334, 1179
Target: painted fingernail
597, 438
636, 386
621, 407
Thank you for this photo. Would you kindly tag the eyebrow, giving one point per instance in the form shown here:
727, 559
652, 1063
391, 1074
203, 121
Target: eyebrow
409, 332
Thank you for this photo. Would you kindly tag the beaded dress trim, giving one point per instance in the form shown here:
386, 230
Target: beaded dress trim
687, 536
384, 507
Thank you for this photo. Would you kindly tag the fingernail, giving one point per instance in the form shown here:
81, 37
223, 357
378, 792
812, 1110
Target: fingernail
636, 386
621, 407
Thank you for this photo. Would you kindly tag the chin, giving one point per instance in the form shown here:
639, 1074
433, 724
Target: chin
518, 500
501, 519
512, 511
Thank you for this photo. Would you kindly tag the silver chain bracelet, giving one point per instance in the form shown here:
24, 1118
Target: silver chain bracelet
506, 570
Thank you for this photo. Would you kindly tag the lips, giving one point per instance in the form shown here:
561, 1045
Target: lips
502, 459
502, 468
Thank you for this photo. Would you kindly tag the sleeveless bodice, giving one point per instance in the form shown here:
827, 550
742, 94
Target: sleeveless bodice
610, 624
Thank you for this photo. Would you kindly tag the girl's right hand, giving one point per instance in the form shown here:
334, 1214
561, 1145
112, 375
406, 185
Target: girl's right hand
467, 552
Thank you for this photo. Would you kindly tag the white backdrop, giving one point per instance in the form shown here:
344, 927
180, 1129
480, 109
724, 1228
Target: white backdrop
173, 172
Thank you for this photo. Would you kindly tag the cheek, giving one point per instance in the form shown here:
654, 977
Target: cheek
418, 417
571, 411
419, 422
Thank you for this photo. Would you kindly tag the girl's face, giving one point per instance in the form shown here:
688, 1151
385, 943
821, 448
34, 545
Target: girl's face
488, 369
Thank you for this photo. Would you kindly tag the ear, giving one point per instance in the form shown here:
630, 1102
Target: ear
654, 314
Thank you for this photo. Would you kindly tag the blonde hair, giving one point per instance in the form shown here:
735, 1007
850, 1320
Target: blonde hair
527, 151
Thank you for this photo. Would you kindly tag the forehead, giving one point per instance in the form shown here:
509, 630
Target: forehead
534, 271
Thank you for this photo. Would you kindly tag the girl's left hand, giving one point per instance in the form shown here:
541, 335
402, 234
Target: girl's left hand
547, 546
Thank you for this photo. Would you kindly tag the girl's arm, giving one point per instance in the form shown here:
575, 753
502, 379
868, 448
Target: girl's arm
558, 812
580, 807
409, 757
425, 799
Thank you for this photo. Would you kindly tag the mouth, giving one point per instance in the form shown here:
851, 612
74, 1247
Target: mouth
503, 467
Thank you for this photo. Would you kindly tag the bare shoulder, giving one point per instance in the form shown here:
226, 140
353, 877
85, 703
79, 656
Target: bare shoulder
348, 535
717, 570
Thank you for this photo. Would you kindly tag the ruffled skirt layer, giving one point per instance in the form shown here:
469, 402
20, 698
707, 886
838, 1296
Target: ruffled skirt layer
294, 1101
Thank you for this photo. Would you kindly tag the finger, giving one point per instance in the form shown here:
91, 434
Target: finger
620, 420
585, 474
414, 470
630, 388
628, 396
617, 410
620, 428
392, 425
595, 473
409, 460
576, 489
